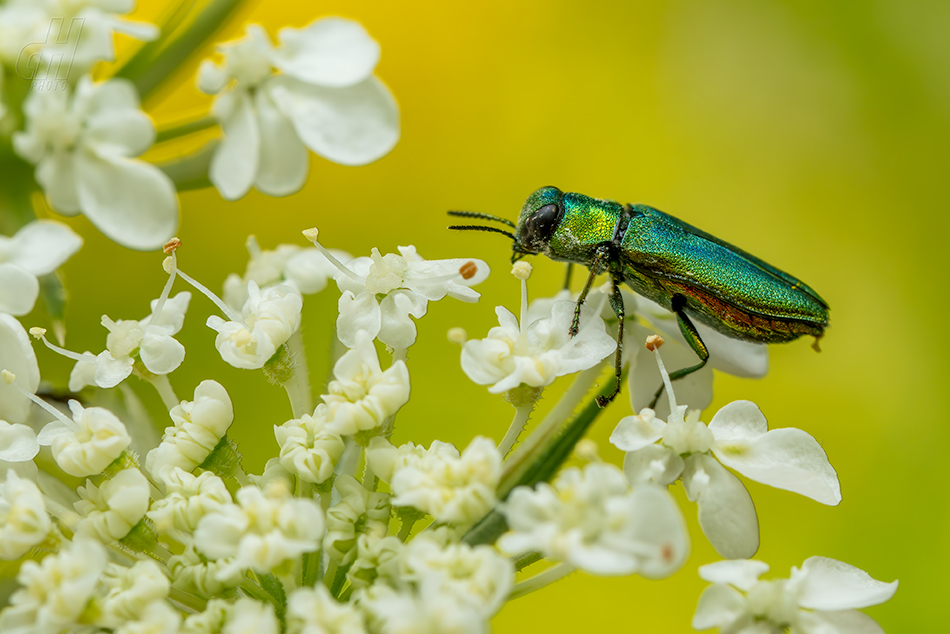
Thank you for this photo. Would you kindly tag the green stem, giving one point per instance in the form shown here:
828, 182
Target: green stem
298, 386
520, 419
549, 576
185, 127
164, 388
191, 171
541, 467
275, 589
158, 63
188, 600
526, 559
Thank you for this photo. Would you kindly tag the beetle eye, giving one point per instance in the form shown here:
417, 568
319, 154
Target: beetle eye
539, 227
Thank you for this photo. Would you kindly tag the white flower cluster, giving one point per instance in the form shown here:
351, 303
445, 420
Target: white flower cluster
344, 531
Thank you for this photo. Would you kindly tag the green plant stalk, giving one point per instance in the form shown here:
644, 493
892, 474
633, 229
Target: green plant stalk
549, 460
150, 71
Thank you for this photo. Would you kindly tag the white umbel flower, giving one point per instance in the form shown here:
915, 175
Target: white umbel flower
249, 616
193, 573
38, 248
309, 447
314, 611
55, 592
268, 319
86, 445
82, 144
537, 352
738, 436
111, 510
306, 270
158, 617
382, 293
822, 597
325, 99
362, 396
24, 522
150, 339
130, 590
198, 427
85, 34
477, 576
390, 611
591, 520
263, 531
187, 499
452, 487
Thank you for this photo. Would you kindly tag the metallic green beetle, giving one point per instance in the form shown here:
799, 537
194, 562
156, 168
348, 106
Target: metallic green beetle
685, 270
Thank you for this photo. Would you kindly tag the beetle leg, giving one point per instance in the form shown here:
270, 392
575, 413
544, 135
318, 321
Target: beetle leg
616, 303
603, 252
692, 338
567, 276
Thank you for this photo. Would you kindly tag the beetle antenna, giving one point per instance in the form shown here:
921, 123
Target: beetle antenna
481, 228
478, 214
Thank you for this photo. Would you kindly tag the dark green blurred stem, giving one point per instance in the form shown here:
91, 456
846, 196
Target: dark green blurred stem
155, 63
185, 127
545, 463
527, 559
16, 205
54, 297
275, 590
191, 171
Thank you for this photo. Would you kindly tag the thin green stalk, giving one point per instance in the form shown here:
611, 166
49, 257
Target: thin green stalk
298, 386
191, 170
540, 580
152, 69
185, 127
522, 413
541, 467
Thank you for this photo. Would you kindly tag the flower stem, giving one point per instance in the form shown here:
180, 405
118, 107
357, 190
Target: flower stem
549, 576
298, 386
553, 421
188, 600
164, 388
185, 127
522, 413
190, 171
157, 63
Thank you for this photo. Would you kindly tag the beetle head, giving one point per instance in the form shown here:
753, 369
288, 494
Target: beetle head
540, 216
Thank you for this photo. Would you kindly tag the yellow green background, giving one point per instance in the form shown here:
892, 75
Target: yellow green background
814, 134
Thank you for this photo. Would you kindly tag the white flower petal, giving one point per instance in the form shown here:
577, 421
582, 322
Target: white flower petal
836, 622
739, 420
355, 125
637, 432
111, 371
657, 521
787, 459
653, 463
161, 354
357, 313
18, 289
397, 329
719, 606
17, 442
284, 161
330, 52
828, 584
56, 173
235, 162
741, 573
130, 201
726, 513
16, 355
42, 246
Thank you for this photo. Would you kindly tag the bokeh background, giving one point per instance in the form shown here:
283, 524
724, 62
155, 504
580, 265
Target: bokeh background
813, 134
